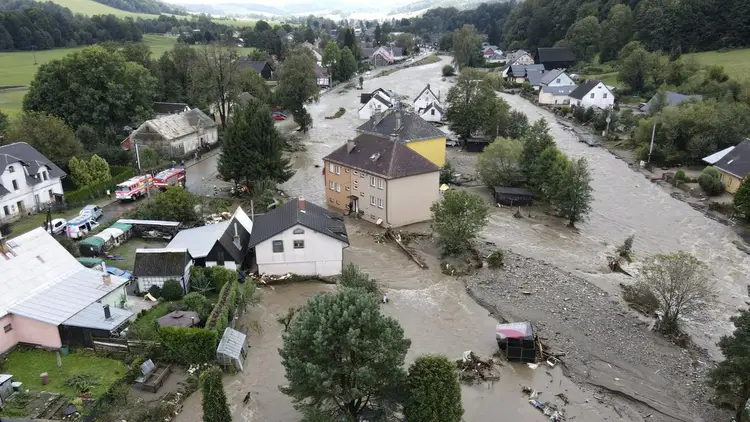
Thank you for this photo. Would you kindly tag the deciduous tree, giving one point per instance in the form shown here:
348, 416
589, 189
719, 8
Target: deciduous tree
79, 172
93, 86
498, 164
332, 58
215, 405
99, 169
616, 31
4, 123
535, 140
48, 134
348, 65
458, 218
174, 68
469, 102
434, 394
467, 45
680, 282
216, 77
341, 355
253, 148
742, 199
583, 37
298, 84
574, 193
174, 204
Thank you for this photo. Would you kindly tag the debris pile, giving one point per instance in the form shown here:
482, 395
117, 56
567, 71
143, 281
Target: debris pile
473, 369
555, 413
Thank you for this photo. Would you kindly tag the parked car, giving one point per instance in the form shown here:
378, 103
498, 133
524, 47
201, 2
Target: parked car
80, 226
57, 226
279, 117
93, 210
451, 142
119, 272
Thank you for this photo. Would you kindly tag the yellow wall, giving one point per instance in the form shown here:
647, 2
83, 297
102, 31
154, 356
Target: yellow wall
338, 196
731, 183
431, 149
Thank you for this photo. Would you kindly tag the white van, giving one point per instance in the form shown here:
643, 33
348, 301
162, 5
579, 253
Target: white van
80, 226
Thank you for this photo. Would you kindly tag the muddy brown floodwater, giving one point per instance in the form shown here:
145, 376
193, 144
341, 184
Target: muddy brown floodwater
437, 315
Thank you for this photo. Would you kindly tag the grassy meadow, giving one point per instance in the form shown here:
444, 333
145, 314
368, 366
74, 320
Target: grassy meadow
90, 8
735, 62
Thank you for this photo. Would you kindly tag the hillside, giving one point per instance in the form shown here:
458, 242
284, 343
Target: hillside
431, 4
91, 8
143, 6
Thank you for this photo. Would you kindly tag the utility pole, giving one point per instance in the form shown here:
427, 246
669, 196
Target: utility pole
33, 51
651, 148
137, 157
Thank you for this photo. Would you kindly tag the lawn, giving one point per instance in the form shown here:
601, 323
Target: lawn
608, 78
735, 62
26, 365
127, 252
11, 100
90, 8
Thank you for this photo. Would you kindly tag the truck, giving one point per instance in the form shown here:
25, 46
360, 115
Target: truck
134, 188
170, 177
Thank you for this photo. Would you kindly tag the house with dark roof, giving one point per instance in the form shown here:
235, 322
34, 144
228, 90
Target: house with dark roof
154, 266
376, 102
411, 130
669, 98
28, 180
382, 180
165, 109
555, 57
519, 73
263, 68
592, 93
181, 133
300, 238
734, 166
222, 244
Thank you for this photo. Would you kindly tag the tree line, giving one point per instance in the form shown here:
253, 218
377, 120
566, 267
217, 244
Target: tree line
153, 7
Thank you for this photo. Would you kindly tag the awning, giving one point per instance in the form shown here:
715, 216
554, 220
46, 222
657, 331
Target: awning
94, 241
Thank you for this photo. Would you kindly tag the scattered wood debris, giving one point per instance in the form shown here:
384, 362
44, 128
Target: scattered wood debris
473, 369
402, 239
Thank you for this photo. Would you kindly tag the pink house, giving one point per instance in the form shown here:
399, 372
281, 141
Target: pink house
47, 297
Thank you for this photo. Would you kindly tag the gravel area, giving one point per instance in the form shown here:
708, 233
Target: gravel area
605, 344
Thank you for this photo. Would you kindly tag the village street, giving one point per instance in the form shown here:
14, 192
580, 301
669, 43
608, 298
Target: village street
435, 310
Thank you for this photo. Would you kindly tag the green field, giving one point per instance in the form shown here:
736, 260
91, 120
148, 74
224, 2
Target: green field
18, 68
90, 8
608, 78
735, 62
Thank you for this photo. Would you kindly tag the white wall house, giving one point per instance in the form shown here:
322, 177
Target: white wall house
378, 103
592, 94
178, 134
28, 180
432, 113
425, 98
299, 238
556, 95
556, 78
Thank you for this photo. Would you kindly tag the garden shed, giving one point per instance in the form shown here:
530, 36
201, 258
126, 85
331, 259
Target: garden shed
512, 196
91, 246
232, 349
517, 340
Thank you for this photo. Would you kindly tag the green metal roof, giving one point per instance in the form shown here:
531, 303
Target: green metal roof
90, 262
122, 226
93, 241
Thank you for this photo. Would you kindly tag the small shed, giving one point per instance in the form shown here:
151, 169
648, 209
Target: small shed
95, 320
517, 340
232, 349
6, 389
183, 319
512, 196
91, 246
117, 235
476, 144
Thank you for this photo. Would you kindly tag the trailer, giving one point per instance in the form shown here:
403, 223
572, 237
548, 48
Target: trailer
134, 188
170, 177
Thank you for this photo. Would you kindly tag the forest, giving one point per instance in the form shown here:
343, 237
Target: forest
153, 7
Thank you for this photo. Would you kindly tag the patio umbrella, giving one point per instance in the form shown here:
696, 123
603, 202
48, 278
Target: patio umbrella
179, 319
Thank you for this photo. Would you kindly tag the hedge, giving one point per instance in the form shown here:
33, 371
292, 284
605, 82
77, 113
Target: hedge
98, 190
224, 309
188, 346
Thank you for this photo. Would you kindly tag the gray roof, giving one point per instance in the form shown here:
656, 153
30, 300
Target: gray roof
368, 51
161, 223
559, 90
671, 98
520, 70
199, 240
436, 106
231, 344
495, 56
169, 108
289, 215
62, 300
408, 126
21, 152
383, 157
426, 88
175, 126
534, 77
165, 262
92, 317
552, 75
737, 161
555, 54
397, 51
502, 190
584, 89
715, 157
245, 98
256, 65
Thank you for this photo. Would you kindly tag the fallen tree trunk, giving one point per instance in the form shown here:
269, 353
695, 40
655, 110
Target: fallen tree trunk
397, 238
615, 266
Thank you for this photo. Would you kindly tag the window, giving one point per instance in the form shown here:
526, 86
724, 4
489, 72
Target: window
6, 210
278, 246
432, 111
330, 200
298, 231
331, 168
381, 184
372, 200
592, 95
557, 80
11, 169
36, 199
45, 176
361, 194
355, 184
7, 328
299, 244
372, 181
605, 95
355, 172
15, 185
338, 169
361, 175
338, 187
220, 258
347, 188
380, 203
332, 185
51, 195
346, 170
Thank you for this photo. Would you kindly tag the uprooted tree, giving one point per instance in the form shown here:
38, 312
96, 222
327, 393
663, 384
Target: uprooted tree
681, 284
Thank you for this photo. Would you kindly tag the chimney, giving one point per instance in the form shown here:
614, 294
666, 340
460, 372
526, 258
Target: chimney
394, 137
302, 204
107, 313
107, 279
350, 144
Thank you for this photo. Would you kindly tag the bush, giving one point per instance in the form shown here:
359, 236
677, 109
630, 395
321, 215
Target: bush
215, 405
224, 309
172, 290
495, 260
99, 190
641, 298
219, 276
710, 182
449, 70
82, 382
680, 175
188, 346
353, 278
340, 112
196, 302
155, 291
446, 173
434, 393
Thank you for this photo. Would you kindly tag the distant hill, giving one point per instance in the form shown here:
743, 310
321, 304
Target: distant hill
231, 8
431, 4
153, 7
91, 8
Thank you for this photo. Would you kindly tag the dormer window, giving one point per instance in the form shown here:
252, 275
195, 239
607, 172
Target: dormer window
45, 176
11, 169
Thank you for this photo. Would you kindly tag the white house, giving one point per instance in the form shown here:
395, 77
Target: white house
557, 77
425, 98
28, 180
178, 134
432, 113
377, 102
299, 238
556, 95
323, 78
154, 266
593, 93
521, 57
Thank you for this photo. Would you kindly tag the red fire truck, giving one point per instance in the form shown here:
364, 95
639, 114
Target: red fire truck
170, 177
134, 188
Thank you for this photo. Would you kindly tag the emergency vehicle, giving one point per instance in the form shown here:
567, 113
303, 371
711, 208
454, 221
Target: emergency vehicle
134, 188
170, 177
